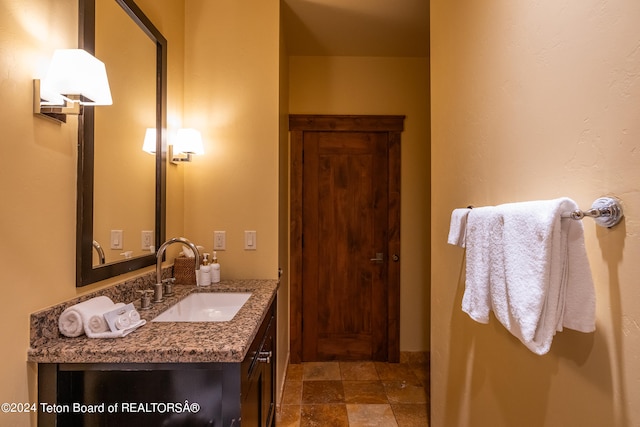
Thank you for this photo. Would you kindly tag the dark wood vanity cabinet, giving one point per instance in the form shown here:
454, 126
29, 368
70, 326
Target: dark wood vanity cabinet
258, 376
164, 394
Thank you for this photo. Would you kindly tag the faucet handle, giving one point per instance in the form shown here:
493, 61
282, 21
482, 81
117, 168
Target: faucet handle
168, 286
145, 299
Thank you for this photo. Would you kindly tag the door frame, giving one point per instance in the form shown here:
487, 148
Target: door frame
298, 125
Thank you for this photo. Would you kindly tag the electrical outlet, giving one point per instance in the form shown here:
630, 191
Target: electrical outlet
219, 240
147, 240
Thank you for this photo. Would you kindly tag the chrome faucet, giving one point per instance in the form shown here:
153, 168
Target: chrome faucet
100, 251
157, 295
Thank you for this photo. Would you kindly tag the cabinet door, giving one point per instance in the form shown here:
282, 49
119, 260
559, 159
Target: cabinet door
250, 405
258, 385
144, 395
267, 381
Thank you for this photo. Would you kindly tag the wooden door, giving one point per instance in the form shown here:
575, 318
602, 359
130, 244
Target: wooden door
349, 234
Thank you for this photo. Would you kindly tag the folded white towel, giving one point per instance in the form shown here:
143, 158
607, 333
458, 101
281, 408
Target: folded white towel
458, 227
74, 320
529, 267
120, 333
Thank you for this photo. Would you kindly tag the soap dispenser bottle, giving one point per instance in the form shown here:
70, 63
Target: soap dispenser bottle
215, 269
205, 271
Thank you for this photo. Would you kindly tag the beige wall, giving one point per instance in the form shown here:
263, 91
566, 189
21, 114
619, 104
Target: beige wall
363, 85
38, 215
231, 96
232, 85
283, 337
37, 218
536, 100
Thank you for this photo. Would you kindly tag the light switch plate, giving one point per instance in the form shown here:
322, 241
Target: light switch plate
116, 239
250, 243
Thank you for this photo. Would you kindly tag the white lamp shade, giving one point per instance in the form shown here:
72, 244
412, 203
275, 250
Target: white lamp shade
188, 141
76, 72
149, 144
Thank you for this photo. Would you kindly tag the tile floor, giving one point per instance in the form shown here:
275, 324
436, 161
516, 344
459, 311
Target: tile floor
356, 394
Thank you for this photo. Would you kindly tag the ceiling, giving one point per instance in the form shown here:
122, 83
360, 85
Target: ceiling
392, 28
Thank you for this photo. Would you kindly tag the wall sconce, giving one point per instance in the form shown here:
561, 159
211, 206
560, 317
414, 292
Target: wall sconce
188, 142
75, 78
149, 144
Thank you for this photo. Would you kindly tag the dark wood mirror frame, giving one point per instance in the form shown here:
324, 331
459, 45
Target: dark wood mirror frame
86, 272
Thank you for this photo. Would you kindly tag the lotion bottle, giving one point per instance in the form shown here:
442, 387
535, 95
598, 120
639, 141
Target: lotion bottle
205, 271
215, 269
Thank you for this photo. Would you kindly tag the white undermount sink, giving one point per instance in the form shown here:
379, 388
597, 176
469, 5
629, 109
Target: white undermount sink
205, 307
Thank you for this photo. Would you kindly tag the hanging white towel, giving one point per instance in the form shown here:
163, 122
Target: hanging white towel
529, 267
484, 258
458, 227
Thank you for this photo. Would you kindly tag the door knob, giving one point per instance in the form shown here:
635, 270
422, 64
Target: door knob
395, 257
378, 258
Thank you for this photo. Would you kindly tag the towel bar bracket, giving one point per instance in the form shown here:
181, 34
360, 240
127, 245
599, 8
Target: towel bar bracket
606, 212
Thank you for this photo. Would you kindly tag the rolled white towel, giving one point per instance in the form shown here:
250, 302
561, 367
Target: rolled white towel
97, 322
123, 322
75, 320
134, 316
70, 323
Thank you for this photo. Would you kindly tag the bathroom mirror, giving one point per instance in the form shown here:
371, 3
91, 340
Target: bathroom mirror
120, 187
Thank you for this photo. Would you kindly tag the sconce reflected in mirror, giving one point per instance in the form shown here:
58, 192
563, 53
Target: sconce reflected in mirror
188, 142
75, 78
149, 144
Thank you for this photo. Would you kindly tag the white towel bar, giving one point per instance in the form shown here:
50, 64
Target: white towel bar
606, 211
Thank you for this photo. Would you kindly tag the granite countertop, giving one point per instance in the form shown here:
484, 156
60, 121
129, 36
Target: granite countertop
160, 342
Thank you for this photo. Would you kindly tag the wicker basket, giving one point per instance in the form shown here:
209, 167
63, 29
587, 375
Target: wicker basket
184, 271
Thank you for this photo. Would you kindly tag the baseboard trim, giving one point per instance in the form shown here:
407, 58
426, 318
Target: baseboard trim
280, 392
414, 357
